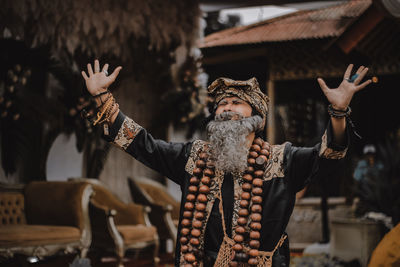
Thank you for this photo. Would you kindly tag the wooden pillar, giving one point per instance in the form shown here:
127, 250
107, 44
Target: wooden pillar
271, 112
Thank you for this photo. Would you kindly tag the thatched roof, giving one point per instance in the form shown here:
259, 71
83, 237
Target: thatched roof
99, 26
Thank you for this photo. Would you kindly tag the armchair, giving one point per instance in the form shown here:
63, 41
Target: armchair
43, 218
118, 226
164, 208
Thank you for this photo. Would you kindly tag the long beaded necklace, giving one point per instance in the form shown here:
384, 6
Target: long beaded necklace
250, 206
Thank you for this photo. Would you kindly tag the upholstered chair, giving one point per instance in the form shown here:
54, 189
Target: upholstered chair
44, 218
118, 226
164, 208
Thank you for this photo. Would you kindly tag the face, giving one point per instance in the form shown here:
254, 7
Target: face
234, 104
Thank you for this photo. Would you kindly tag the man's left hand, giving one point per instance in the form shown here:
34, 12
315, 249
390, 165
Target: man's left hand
340, 97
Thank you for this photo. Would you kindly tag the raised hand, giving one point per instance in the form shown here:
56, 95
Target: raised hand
97, 81
340, 97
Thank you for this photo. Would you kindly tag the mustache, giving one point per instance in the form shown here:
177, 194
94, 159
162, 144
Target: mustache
229, 115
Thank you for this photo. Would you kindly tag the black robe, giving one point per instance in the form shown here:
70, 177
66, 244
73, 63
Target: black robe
288, 171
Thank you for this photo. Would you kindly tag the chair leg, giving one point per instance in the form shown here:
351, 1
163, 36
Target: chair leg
156, 259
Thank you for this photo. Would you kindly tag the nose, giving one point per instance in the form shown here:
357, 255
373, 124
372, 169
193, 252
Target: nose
227, 107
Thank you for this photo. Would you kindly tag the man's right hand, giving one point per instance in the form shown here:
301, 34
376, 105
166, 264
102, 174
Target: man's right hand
97, 82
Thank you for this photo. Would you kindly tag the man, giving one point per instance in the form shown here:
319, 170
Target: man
238, 192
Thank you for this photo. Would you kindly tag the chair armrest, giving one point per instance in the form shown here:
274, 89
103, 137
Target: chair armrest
103, 226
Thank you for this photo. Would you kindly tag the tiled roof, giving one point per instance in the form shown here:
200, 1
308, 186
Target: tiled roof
309, 24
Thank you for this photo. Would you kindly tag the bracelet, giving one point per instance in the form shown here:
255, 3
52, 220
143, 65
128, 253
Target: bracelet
101, 100
336, 113
100, 114
102, 93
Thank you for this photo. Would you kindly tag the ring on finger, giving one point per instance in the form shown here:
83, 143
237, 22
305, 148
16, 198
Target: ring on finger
105, 72
352, 78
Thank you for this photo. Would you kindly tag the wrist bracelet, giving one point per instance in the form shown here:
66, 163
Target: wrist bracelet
339, 113
102, 93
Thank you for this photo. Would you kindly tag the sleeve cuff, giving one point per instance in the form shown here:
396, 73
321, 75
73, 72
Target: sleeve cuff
331, 150
123, 131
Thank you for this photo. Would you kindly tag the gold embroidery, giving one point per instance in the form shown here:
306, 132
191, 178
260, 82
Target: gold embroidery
197, 146
274, 167
127, 133
329, 153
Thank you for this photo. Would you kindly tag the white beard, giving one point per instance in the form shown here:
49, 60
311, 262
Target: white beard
228, 140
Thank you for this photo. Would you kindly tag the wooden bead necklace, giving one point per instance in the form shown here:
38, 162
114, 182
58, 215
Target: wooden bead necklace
250, 205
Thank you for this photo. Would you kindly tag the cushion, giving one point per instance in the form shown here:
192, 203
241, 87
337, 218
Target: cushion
136, 233
28, 235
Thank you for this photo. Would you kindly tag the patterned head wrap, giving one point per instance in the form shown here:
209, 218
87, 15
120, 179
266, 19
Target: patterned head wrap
248, 91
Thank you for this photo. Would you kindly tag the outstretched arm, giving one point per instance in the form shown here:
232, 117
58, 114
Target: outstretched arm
340, 98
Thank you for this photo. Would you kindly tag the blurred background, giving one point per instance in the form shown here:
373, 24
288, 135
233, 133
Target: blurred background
170, 52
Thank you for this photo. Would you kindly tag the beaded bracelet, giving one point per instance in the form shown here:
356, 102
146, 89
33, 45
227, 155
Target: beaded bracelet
336, 113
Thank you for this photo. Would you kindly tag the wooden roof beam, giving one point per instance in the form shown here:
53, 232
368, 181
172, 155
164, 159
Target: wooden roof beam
365, 24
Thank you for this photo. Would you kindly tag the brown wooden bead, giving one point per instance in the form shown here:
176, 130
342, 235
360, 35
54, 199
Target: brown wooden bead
258, 141
200, 163
256, 148
204, 189
246, 187
192, 189
186, 222
189, 257
264, 152
238, 238
202, 198
195, 232
197, 172
255, 226
240, 230
183, 240
256, 208
185, 231
257, 190
206, 180
237, 247
203, 156
187, 214
200, 206
189, 206
253, 253
233, 264
209, 172
258, 173
258, 182
243, 212
184, 248
254, 244
266, 146
244, 203
248, 177
252, 261
199, 215
194, 241
255, 235
251, 161
242, 220
253, 154
194, 180
191, 197
255, 217
188, 265
256, 199
250, 169
246, 195
197, 224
